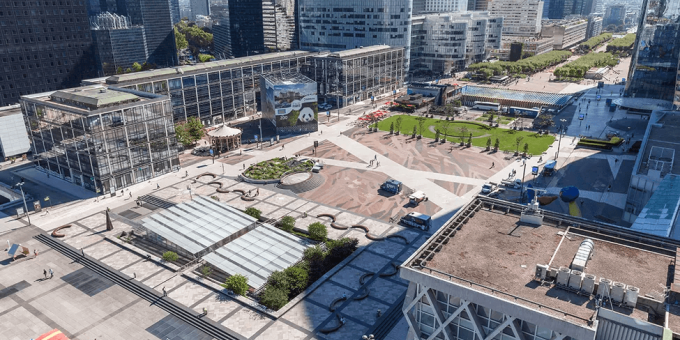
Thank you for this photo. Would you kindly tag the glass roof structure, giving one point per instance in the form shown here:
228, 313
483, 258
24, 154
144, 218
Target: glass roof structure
558, 99
200, 224
258, 253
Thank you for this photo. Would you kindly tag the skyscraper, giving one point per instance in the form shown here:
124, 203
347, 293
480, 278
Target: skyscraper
654, 64
200, 7
44, 46
333, 25
117, 43
156, 17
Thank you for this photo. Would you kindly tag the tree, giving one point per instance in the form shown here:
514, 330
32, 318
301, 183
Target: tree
436, 136
397, 124
274, 298
457, 103
190, 131
317, 231
421, 125
445, 126
254, 212
119, 70
180, 40
469, 143
128, 70
204, 58
136, 67
170, 256
279, 280
339, 250
518, 140
297, 279
496, 144
463, 132
196, 129
287, 223
488, 144
526, 148
237, 284
391, 128
414, 131
206, 270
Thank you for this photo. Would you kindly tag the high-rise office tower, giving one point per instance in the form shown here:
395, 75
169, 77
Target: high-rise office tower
559, 9
615, 15
200, 7
441, 6
654, 64
44, 46
174, 10
333, 25
219, 13
520, 17
117, 43
246, 27
156, 17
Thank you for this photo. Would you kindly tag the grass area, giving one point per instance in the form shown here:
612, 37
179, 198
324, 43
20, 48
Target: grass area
275, 167
485, 118
506, 137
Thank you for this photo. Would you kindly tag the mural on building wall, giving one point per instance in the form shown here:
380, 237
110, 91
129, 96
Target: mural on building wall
291, 106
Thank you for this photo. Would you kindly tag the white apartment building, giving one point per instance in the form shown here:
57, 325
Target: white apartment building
342, 25
449, 42
520, 17
442, 6
565, 33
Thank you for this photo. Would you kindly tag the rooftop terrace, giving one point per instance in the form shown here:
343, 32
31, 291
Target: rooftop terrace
491, 251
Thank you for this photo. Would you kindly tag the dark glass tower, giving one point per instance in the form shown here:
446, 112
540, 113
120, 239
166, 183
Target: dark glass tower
654, 65
246, 25
156, 17
44, 46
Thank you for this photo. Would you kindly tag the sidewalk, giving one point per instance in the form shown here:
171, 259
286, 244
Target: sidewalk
33, 175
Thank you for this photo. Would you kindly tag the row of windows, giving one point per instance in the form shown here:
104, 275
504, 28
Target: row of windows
9, 4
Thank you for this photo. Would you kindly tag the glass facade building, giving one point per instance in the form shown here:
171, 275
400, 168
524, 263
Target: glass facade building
117, 44
355, 75
103, 139
214, 92
654, 65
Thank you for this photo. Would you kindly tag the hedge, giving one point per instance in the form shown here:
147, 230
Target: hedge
594, 41
620, 44
528, 65
580, 66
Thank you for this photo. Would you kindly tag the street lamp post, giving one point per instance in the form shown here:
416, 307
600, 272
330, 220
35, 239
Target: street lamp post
521, 193
21, 187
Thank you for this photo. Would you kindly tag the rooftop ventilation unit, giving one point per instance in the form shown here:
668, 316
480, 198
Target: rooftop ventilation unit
618, 290
575, 279
604, 288
631, 296
541, 272
582, 255
563, 276
588, 285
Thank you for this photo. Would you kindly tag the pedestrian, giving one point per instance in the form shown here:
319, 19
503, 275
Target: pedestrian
45, 273
244, 166
376, 157
130, 194
581, 202
164, 292
158, 186
258, 191
186, 174
51, 273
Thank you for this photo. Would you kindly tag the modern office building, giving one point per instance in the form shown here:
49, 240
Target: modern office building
530, 46
594, 27
559, 9
175, 11
478, 5
351, 76
13, 137
589, 7
199, 7
501, 270
102, 138
615, 15
654, 64
450, 42
444, 6
336, 26
44, 46
289, 102
217, 91
565, 33
117, 44
520, 17
156, 17
656, 162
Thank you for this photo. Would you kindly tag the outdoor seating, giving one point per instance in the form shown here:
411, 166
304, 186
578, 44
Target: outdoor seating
56, 233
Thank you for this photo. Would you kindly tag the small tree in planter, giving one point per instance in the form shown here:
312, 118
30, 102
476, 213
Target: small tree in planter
274, 298
206, 270
414, 132
287, 223
391, 128
317, 231
237, 284
436, 136
496, 145
397, 125
526, 149
488, 144
170, 256
253, 212
518, 141
469, 143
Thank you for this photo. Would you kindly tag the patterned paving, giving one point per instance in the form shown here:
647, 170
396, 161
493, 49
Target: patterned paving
218, 306
246, 322
282, 331
307, 315
330, 150
189, 293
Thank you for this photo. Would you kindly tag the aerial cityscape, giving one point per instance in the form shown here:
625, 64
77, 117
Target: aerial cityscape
340, 170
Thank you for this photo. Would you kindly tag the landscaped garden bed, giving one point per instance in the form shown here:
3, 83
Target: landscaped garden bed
601, 144
276, 167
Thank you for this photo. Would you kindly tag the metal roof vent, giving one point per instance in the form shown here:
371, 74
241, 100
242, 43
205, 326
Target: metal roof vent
583, 255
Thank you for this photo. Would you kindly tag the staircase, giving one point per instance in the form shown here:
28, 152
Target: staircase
183, 313
310, 184
157, 201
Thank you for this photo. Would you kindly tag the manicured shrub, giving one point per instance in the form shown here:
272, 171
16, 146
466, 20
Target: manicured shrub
253, 212
170, 256
279, 279
298, 277
287, 223
339, 250
274, 298
237, 284
317, 231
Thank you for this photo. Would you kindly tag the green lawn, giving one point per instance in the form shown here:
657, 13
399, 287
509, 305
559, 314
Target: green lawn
485, 118
506, 137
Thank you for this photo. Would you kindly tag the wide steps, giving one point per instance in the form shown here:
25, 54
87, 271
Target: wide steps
183, 313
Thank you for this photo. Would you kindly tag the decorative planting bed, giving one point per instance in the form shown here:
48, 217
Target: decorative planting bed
275, 168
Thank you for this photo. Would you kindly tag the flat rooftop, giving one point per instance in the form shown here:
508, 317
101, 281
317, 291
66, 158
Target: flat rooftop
494, 251
661, 144
356, 52
10, 110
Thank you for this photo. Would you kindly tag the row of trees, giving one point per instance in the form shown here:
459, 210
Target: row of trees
579, 67
528, 65
595, 41
621, 44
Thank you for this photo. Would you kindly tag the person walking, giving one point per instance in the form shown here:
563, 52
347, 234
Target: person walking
35, 253
51, 273
45, 273
130, 194
493, 164
158, 186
